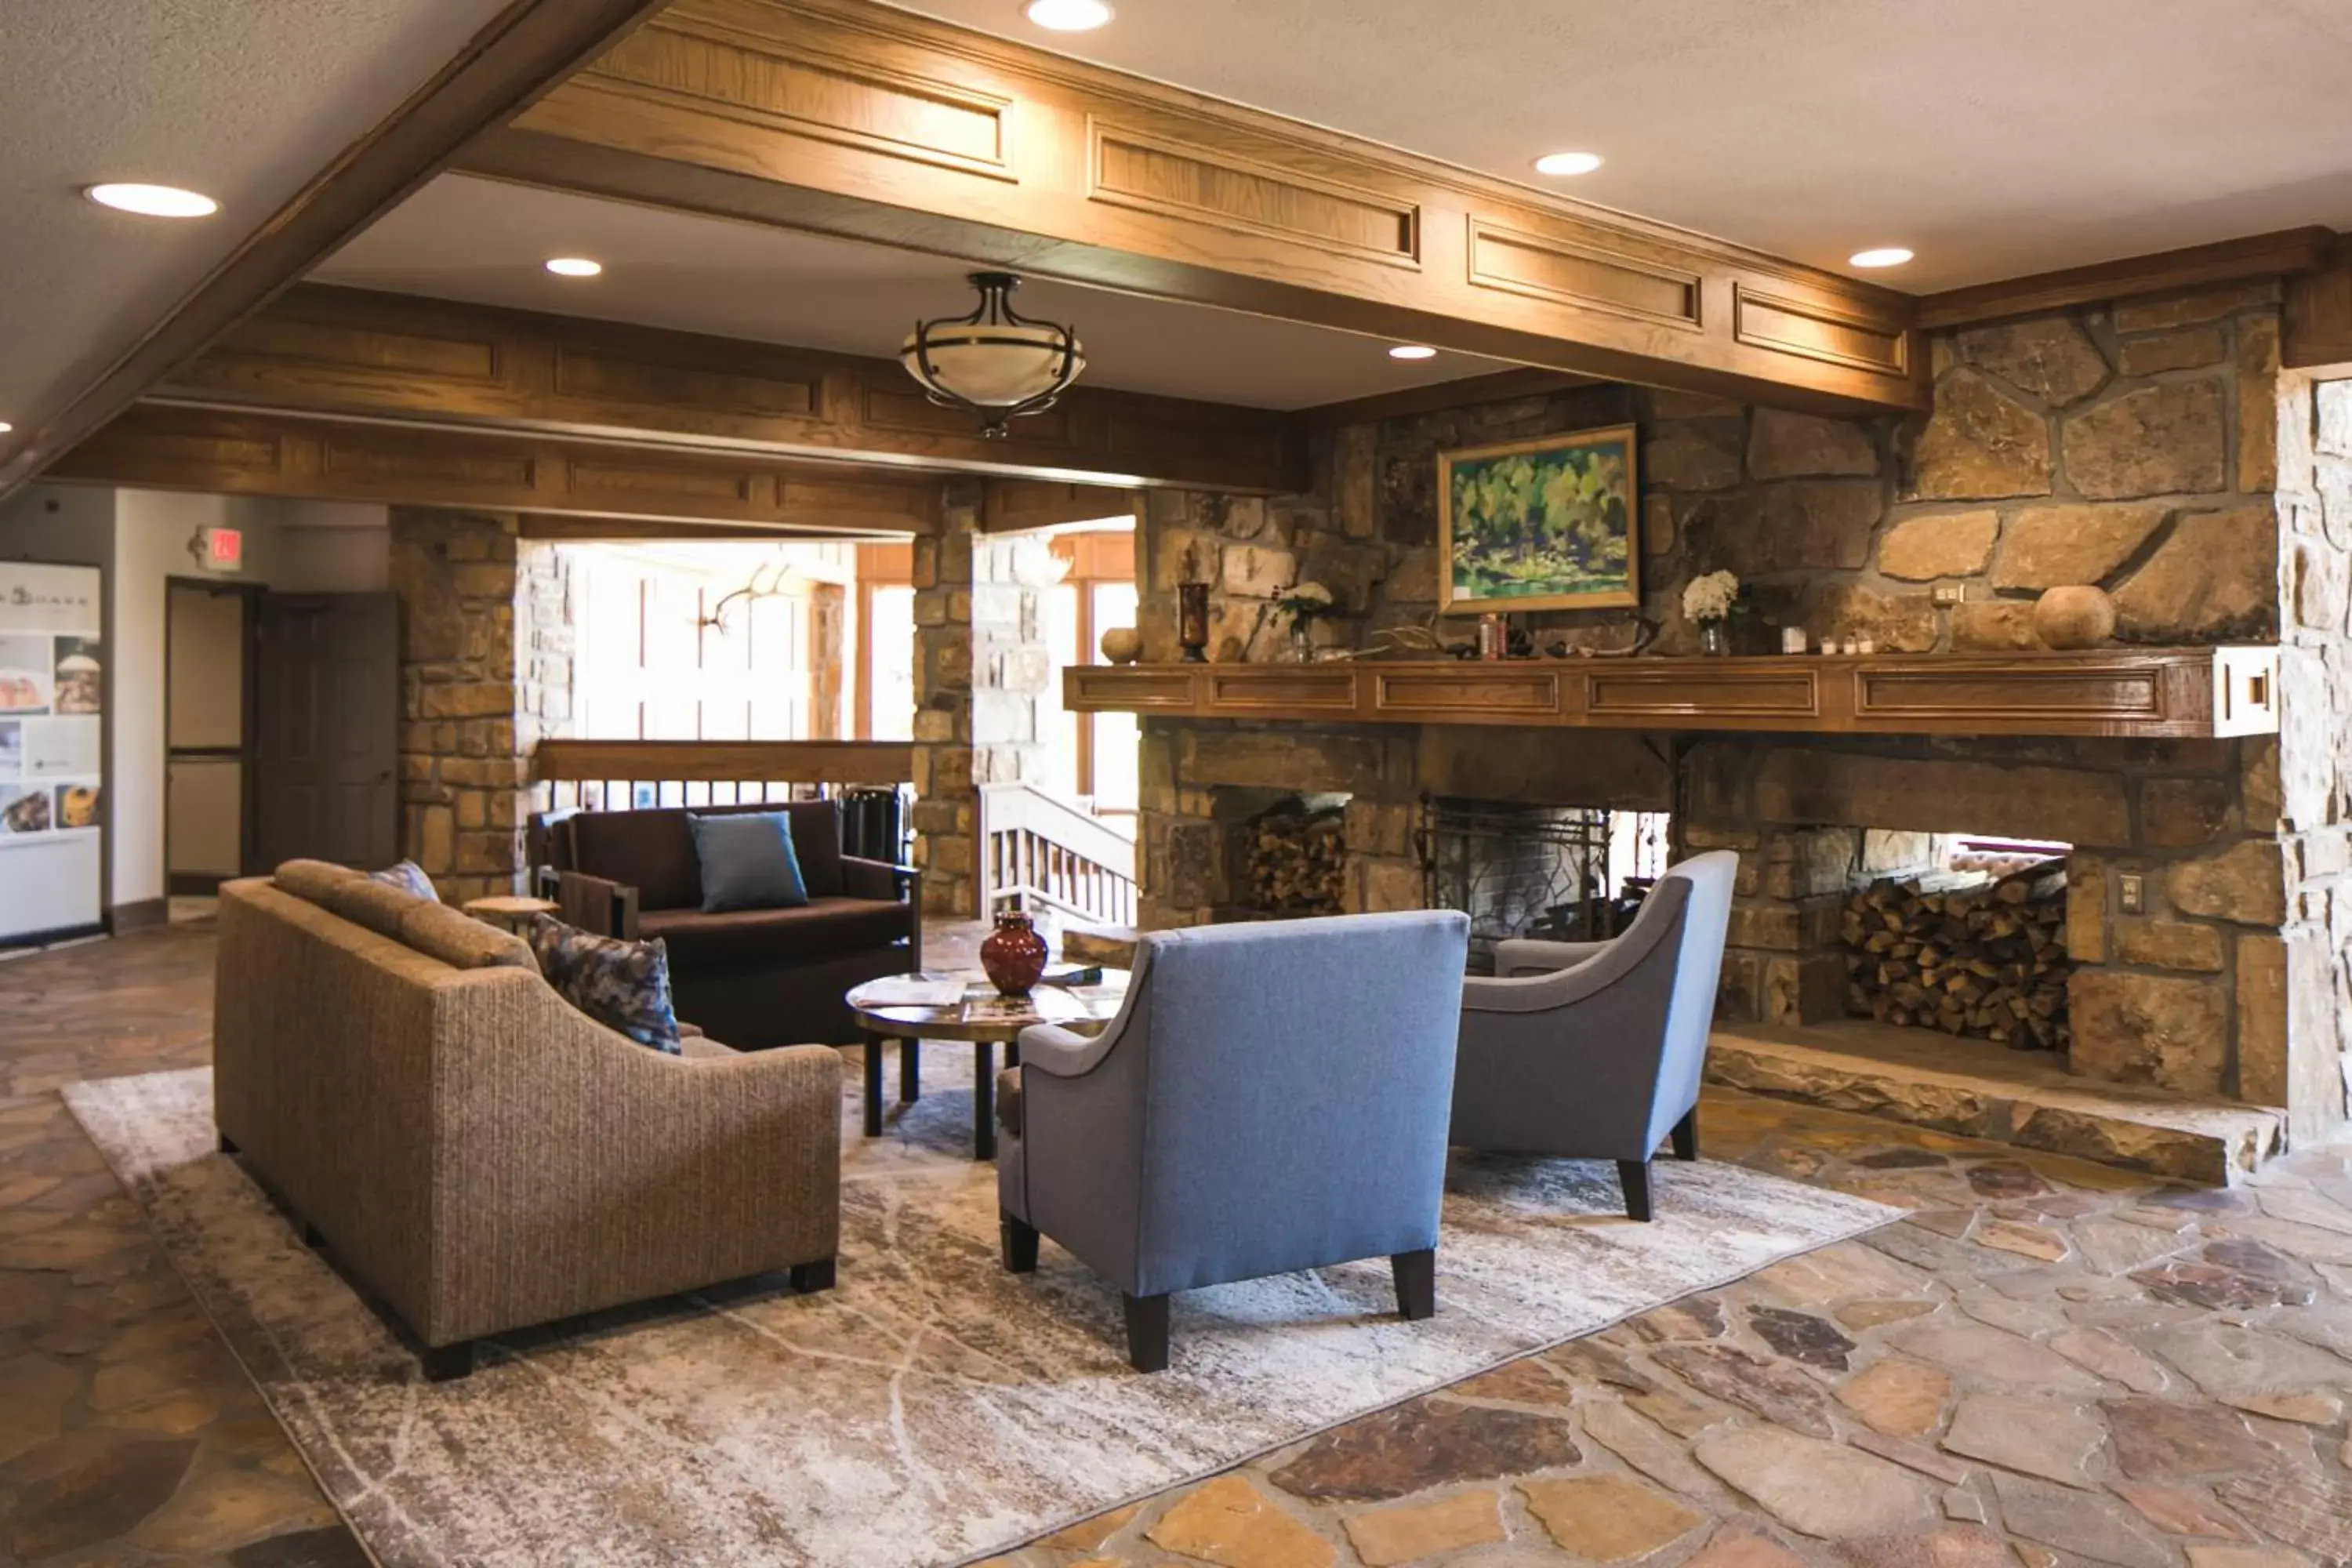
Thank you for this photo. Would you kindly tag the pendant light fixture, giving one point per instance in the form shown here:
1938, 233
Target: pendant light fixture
994, 361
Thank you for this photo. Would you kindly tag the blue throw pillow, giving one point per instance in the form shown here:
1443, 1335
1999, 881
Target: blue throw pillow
748, 861
624, 985
409, 878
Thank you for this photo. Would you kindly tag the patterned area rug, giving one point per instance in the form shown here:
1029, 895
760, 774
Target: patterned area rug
929, 1410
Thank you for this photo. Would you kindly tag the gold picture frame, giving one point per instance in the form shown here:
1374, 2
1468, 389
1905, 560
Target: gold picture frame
1551, 524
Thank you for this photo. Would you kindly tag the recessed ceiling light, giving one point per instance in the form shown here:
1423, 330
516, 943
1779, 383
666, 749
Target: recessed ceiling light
1413, 351
573, 267
5, 428
1067, 16
1567, 162
153, 201
1885, 256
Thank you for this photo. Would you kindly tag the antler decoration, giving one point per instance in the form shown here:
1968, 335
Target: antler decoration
767, 583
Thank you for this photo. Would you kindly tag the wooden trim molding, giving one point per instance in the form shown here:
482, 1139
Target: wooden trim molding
1013, 506
2318, 325
1439, 397
2288, 253
723, 762
530, 44
2142, 692
235, 452
352, 354
845, 118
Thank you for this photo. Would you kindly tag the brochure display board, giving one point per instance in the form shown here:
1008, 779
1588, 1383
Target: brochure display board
52, 746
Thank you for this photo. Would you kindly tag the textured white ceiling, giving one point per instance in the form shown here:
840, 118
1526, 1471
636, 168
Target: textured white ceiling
1992, 137
463, 239
241, 100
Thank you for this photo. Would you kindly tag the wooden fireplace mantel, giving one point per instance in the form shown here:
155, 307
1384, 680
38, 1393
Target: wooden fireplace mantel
2144, 693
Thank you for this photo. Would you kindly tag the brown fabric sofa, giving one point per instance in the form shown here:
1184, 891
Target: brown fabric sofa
754, 978
478, 1152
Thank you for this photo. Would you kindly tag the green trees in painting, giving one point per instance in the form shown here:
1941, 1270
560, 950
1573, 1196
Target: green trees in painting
1543, 522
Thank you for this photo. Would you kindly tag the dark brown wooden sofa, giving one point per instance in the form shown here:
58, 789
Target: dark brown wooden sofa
754, 978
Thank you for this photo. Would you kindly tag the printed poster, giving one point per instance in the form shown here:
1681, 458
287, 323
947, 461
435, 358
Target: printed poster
52, 750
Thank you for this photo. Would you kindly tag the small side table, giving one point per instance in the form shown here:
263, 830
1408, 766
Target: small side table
511, 911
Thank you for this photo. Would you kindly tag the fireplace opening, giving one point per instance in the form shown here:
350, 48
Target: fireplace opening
1562, 873
1962, 934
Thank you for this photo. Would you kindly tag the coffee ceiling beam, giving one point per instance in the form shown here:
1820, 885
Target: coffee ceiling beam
240, 452
530, 44
849, 119
353, 353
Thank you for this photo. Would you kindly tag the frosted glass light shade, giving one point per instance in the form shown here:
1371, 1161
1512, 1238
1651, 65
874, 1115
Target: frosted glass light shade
992, 365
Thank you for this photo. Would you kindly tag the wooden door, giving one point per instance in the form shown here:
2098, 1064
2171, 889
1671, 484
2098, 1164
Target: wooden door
327, 733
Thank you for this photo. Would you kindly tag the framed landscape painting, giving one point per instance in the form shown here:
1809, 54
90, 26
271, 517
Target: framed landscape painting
1546, 524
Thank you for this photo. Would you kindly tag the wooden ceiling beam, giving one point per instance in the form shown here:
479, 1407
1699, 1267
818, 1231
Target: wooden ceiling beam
530, 46
351, 354
2287, 253
849, 119
259, 453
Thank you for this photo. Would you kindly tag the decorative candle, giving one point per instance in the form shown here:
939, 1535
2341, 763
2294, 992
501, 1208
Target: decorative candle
1192, 620
1793, 639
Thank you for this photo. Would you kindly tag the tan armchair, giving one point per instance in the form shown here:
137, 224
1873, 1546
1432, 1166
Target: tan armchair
480, 1154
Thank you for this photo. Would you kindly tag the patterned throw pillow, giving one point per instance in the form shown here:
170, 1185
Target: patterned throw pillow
409, 878
624, 985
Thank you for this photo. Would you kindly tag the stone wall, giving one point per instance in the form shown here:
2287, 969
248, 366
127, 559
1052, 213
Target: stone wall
2301, 979
2158, 995
2133, 446
474, 688
982, 678
2130, 447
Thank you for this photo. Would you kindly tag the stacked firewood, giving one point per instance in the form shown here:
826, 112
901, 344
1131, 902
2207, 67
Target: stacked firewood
1298, 861
1969, 955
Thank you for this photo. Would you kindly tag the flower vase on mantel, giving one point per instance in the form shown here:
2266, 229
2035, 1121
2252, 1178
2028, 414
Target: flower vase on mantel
1707, 604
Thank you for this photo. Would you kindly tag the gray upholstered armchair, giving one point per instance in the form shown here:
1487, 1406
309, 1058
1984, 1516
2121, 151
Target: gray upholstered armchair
1592, 1050
1271, 1097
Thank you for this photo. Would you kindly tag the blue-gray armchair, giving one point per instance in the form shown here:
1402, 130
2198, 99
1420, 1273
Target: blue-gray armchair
1271, 1097
1592, 1050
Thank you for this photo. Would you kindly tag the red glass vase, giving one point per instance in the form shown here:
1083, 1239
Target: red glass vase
1013, 956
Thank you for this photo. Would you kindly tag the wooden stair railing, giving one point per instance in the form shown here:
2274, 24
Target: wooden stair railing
1038, 851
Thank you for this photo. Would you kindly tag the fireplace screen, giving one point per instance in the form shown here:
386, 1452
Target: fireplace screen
1563, 873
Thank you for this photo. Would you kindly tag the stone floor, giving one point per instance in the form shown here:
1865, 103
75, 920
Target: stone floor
2047, 1364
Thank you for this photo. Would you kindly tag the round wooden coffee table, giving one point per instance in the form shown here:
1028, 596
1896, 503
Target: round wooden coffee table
979, 1016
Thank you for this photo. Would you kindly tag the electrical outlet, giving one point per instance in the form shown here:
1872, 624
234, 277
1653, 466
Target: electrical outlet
2131, 892
1951, 592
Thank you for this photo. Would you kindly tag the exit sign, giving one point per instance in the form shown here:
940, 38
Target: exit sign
222, 549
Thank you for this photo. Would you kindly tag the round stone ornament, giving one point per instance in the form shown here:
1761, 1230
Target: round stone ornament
2073, 617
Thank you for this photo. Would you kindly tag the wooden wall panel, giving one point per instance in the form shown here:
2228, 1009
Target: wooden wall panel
351, 353
854, 120
238, 453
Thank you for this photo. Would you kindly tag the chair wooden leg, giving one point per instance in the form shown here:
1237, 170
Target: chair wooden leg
1685, 1136
816, 1275
1147, 1332
1635, 1176
1017, 1241
227, 1144
446, 1364
1416, 1283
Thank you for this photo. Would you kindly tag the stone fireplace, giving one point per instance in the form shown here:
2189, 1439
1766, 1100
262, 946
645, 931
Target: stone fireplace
2062, 449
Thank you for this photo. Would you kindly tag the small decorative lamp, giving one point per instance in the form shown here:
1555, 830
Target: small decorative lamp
994, 361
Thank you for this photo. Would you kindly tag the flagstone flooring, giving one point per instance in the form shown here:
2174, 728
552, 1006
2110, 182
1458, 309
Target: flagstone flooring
2047, 1364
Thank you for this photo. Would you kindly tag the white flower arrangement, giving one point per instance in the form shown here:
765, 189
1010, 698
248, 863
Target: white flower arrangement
1305, 602
1710, 598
